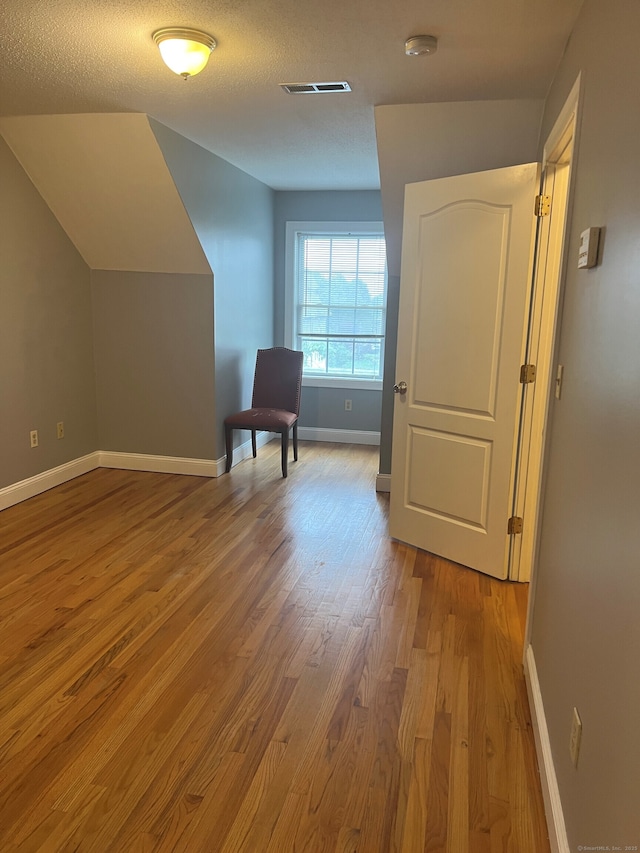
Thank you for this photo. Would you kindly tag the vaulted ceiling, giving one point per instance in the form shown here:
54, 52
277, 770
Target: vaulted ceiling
77, 56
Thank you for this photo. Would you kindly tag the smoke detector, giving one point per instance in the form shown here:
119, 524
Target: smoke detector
420, 45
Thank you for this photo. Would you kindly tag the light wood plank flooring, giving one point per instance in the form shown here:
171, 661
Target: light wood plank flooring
250, 665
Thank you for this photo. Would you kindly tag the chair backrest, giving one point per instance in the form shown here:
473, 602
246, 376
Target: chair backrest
278, 379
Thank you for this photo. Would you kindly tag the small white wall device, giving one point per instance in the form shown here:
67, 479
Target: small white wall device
588, 255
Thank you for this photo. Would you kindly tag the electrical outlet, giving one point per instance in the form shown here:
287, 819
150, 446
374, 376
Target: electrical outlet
347, 405
60, 429
33, 437
575, 737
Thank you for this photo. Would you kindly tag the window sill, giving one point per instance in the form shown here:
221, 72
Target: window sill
331, 382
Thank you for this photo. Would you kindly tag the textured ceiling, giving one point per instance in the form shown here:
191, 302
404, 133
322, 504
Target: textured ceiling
70, 56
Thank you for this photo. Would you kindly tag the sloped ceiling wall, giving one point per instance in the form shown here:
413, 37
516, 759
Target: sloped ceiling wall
105, 179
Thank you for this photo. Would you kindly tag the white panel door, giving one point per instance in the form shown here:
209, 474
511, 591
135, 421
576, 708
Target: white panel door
464, 293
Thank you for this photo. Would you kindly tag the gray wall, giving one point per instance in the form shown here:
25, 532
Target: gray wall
420, 142
324, 407
46, 354
586, 617
232, 214
153, 338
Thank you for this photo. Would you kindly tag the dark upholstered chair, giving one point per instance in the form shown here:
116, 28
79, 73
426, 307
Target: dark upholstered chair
275, 404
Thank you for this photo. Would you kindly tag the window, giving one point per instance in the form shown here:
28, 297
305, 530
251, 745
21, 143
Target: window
336, 301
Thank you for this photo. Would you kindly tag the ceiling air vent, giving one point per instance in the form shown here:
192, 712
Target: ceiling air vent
315, 88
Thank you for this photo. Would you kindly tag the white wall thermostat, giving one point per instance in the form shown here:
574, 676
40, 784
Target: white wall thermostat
588, 255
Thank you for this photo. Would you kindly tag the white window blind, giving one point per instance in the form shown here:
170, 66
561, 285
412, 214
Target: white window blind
340, 304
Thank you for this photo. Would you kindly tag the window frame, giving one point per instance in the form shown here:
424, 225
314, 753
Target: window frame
290, 332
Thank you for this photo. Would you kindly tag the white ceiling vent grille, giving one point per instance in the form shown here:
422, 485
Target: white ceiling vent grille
315, 88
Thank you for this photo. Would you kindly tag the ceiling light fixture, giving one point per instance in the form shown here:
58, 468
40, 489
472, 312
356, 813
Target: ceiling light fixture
420, 45
184, 51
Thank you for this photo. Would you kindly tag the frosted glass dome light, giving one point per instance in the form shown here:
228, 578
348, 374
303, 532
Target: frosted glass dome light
184, 51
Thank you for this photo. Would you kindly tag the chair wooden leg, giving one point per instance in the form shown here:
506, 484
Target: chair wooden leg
253, 443
228, 440
295, 442
285, 451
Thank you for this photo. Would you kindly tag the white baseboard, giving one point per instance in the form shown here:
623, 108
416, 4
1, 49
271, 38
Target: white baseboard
550, 792
29, 488
180, 464
342, 436
32, 486
383, 483
158, 464
21, 491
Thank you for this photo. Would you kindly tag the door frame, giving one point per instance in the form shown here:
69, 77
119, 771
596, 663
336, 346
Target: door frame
541, 344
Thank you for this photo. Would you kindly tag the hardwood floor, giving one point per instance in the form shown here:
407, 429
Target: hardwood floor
250, 664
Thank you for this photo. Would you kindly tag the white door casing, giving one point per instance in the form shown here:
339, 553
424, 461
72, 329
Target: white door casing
465, 282
551, 258
535, 399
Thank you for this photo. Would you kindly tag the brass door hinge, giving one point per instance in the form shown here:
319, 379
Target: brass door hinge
527, 373
514, 525
542, 205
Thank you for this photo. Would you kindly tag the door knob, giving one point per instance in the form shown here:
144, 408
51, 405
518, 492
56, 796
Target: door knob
400, 388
